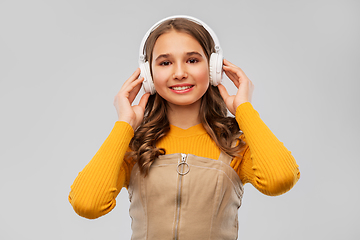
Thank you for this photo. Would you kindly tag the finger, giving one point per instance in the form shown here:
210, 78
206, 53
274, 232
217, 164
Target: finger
236, 73
135, 83
131, 90
223, 92
132, 78
228, 63
136, 74
239, 72
234, 67
134, 89
232, 76
230, 71
143, 100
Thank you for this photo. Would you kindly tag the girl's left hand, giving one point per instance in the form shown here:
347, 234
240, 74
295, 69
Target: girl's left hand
241, 81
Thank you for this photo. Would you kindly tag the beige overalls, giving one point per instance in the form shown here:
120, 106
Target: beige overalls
185, 197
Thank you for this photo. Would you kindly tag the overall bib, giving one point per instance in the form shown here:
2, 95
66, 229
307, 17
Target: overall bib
185, 197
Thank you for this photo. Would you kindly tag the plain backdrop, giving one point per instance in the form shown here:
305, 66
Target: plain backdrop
62, 63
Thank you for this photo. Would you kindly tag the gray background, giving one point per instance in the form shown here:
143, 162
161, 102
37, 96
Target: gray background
62, 62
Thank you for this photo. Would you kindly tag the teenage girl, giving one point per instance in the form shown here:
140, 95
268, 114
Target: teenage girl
182, 160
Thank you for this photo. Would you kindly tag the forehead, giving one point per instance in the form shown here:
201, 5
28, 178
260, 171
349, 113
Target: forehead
175, 42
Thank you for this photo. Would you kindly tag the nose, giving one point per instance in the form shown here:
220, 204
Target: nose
180, 72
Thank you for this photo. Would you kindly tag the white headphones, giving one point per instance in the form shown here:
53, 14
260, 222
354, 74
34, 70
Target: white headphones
215, 63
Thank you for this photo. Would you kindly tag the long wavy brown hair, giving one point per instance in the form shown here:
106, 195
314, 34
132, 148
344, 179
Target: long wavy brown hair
222, 129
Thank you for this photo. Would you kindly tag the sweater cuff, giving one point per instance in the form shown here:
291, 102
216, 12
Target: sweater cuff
124, 129
245, 112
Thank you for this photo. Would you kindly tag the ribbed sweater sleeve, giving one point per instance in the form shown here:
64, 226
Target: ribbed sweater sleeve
266, 163
94, 190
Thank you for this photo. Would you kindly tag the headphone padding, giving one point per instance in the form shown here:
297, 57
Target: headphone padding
148, 82
216, 68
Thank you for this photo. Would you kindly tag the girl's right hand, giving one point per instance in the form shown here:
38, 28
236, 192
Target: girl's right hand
123, 100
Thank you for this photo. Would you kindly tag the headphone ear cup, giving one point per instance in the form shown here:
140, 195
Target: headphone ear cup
216, 68
148, 82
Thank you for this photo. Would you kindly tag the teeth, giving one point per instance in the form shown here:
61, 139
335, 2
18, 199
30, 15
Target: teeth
181, 88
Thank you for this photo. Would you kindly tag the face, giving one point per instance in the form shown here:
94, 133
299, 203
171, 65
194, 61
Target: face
180, 69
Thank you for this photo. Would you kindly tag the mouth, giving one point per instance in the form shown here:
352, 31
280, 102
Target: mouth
181, 89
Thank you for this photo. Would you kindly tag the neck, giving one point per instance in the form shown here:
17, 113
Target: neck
184, 116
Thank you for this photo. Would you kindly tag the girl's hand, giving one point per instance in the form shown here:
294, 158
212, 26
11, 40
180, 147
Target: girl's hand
241, 81
123, 100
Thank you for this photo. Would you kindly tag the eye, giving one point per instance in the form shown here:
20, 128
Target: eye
193, 60
165, 63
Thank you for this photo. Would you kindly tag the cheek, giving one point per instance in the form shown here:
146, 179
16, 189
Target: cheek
159, 77
160, 83
203, 75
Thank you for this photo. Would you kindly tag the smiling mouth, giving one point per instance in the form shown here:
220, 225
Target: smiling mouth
181, 88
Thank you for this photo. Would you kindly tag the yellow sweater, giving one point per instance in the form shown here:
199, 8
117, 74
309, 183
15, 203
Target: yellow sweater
265, 162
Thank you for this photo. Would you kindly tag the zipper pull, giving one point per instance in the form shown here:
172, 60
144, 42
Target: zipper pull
183, 157
183, 164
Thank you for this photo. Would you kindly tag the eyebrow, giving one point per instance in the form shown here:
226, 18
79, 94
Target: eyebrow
194, 53
162, 56
188, 54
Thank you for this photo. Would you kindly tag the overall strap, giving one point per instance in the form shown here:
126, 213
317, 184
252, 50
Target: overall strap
225, 158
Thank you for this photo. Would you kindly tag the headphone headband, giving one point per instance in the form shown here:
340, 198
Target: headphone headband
211, 32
